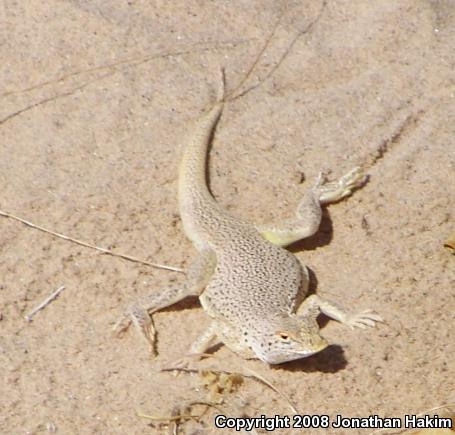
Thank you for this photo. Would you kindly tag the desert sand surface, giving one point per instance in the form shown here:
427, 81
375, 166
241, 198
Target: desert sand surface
97, 101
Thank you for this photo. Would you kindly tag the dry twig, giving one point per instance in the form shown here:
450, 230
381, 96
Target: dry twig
88, 245
46, 301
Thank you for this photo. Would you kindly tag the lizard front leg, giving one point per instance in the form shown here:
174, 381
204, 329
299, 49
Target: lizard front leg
217, 332
359, 320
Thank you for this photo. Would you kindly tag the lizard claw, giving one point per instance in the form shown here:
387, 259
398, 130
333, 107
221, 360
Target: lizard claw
363, 319
336, 190
353, 178
350, 181
121, 325
139, 317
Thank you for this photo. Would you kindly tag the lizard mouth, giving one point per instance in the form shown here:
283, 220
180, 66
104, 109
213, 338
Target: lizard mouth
295, 355
318, 347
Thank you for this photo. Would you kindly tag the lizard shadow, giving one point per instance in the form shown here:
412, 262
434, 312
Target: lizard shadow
189, 302
330, 360
322, 237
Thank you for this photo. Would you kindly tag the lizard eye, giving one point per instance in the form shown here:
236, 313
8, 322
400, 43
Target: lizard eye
284, 335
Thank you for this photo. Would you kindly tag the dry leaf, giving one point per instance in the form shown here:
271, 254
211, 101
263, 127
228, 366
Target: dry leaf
450, 242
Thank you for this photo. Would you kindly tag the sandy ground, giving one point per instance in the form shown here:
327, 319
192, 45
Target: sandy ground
96, 101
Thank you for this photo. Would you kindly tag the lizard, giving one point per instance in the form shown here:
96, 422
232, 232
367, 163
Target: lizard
252, 288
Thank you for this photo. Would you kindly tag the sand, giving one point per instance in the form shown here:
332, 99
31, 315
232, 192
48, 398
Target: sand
97, 102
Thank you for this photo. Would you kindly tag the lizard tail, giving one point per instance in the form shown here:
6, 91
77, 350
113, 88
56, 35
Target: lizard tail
192, 172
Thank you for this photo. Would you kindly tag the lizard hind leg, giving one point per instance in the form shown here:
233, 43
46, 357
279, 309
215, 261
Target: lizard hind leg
309, 212
138, 314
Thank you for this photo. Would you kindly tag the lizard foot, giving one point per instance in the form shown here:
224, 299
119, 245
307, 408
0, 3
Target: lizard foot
121, 325
142, 321
341, 188
363, 319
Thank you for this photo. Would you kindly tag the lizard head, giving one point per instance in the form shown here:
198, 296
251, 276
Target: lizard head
287, 338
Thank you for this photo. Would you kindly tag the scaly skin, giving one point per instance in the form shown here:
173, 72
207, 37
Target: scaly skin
249, 285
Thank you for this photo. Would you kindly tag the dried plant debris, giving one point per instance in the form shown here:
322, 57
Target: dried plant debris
450, 242
90, 245
179, 415
191, 413
47, 301
219, 384
245, 372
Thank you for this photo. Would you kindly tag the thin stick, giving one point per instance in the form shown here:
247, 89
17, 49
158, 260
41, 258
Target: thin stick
168, 418
259, 377
46, 302
88, 245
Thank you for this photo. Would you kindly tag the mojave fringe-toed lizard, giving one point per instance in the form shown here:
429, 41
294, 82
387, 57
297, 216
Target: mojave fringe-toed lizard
252, 288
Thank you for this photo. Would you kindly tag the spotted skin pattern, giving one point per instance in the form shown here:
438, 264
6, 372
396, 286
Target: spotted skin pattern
251, 287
